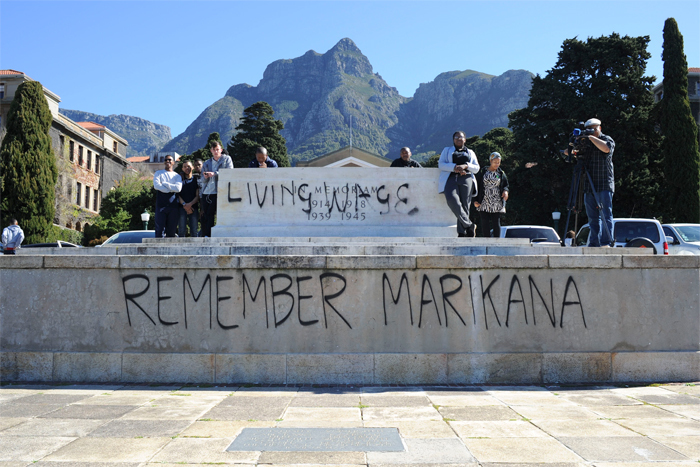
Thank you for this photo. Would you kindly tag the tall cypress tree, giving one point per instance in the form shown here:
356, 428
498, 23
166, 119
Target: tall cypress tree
27, 163
679, 147
258, 128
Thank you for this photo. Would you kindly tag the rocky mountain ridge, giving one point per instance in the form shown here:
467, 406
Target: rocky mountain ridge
144, 137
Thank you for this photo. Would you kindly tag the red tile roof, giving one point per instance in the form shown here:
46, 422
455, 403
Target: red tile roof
91, 125
138, 159
10, 72
694, 70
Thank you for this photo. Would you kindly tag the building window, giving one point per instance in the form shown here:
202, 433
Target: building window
2, 90
62, 143
78, 193
89, 159
71, 151
70, 191
97, 163
87, 197
80, 155
115, 146
78, 227
95, 200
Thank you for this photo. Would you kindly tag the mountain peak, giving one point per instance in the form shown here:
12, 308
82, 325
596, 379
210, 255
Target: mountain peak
346, 44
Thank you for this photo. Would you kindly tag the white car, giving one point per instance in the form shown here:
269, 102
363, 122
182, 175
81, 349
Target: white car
539, 234
686, 238
633, 232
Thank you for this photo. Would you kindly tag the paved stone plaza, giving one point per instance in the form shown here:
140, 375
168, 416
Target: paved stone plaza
152, 425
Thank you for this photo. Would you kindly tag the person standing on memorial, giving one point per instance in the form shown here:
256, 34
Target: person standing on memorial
492, 194
457, 165
189, 199
168, 184
405, 160
12, 237
262, 160
210, 183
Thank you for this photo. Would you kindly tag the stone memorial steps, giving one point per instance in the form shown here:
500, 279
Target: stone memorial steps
331, 246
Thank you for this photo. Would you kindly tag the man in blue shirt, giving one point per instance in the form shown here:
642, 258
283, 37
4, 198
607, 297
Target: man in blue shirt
262, 160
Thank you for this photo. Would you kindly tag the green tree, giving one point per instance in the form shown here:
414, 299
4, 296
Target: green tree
27, 163
679, 147
258, 128
602, 78
122, 207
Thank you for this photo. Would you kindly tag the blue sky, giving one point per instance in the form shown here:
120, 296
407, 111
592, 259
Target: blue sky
166, 61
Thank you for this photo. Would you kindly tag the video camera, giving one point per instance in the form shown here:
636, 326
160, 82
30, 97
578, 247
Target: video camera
578, 141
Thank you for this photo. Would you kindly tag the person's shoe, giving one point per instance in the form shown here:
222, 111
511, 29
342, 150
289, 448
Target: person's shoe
461, 234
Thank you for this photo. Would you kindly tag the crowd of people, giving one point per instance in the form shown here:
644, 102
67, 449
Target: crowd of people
184, 200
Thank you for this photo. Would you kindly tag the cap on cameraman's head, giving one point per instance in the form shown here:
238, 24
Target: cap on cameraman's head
494, 155
592, 123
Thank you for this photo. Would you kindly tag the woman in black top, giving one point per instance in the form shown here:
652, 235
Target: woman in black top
491, 196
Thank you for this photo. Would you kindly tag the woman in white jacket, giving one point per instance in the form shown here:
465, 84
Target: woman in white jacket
458, 164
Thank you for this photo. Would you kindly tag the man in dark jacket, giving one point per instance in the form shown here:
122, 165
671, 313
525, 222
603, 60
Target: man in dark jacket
405, 160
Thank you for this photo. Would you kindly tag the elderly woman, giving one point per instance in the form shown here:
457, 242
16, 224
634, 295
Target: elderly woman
491, 199
458, 164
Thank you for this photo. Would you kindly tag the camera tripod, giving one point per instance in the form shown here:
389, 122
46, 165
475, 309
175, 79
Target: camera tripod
576, 182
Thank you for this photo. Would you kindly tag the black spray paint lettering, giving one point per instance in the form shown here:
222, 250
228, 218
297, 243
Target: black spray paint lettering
516, 299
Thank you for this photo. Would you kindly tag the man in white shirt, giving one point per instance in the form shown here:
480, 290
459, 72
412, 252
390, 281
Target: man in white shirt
168, 184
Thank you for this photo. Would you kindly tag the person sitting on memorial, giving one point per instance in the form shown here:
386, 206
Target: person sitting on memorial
492, 187
168, 184
210, 174
457, 165
12, 237
262, 160
405, 160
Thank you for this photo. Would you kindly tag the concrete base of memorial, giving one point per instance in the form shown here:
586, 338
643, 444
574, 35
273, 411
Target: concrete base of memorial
350, 319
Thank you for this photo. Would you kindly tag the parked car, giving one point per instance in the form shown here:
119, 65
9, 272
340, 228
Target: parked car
56, 244
686, 238
540, 234
129, 236
633, 232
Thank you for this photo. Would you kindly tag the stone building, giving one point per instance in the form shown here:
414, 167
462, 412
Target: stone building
693, 92
347, 157
90, 157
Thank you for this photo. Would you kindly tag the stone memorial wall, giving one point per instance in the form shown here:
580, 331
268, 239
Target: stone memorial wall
332, 202
347, 319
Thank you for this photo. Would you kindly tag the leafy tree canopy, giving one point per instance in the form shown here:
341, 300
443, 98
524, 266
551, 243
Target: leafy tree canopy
600, 78
28, 170
258, 128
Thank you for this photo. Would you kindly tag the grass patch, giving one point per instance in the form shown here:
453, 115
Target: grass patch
362, 406
205, 420
279, 419
181, 394
436, 407
252, 420
449, 420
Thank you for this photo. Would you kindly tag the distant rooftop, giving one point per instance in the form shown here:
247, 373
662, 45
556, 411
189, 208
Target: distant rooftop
10, 72
138, 159
694, 70
91, 125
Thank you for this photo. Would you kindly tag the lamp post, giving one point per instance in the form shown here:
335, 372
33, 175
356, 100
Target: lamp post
145, 217
556, 215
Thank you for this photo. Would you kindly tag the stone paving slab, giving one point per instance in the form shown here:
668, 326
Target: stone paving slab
613, 449
175, 425
520, 450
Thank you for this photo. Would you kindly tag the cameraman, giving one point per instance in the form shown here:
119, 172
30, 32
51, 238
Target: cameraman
597, 158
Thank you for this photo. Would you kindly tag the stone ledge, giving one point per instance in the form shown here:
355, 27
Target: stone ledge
371, 262
179, 262
585, 261
282, 262
655, 366
662, 262
481, 262
21, 262
82, 262
352, 368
